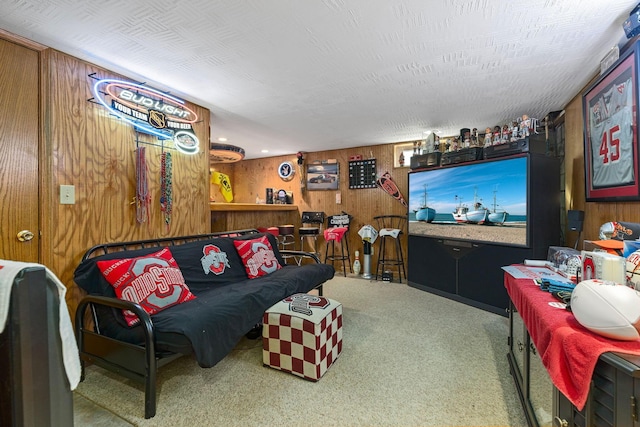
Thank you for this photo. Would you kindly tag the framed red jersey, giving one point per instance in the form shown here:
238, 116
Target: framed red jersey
610, 108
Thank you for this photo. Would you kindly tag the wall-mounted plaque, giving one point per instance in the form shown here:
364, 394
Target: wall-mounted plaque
286, 171
362, 173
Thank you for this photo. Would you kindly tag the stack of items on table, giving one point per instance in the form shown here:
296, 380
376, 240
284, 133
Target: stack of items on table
615, 257
603, 291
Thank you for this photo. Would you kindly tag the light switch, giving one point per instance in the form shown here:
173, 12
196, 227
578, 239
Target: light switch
338, 198
67, 195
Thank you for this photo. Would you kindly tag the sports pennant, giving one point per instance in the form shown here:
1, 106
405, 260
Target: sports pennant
223, 182
387, 183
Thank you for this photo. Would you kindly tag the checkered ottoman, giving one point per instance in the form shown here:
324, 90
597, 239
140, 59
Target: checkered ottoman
302, 334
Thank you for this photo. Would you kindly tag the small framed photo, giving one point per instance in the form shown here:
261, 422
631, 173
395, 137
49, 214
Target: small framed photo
323, 176
610, 108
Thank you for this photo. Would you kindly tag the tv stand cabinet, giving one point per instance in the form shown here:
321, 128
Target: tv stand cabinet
466, 272
470, 271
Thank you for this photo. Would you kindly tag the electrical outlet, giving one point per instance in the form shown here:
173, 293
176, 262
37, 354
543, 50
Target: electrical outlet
67, 195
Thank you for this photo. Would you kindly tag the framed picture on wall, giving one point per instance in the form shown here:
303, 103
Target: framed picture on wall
323, 176
610, 130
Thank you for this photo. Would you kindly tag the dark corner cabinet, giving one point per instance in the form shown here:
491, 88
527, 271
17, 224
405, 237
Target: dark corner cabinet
470, 271
535, 389
613, 395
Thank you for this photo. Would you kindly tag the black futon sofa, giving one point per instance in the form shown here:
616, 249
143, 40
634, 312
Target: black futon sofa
226, 307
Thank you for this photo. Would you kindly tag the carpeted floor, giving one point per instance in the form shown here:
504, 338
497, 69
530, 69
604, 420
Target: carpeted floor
409, 358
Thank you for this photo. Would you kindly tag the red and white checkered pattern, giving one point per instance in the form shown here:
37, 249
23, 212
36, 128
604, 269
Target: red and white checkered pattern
302, 335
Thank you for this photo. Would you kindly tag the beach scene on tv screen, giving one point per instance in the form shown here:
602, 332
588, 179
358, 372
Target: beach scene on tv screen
484, 201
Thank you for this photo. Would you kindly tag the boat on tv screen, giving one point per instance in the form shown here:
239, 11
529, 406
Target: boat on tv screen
484, 201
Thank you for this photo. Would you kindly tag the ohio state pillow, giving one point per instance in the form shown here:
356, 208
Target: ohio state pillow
154, 281
257, 256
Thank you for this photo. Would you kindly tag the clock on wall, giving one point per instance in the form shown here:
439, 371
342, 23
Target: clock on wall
286, 171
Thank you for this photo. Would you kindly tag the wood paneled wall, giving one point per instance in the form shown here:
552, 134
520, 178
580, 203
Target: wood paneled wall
84, 146
250, 178
94, 151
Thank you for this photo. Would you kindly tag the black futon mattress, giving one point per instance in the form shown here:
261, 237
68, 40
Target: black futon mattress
226, 306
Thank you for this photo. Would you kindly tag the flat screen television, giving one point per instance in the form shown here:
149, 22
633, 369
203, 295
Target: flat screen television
485, 201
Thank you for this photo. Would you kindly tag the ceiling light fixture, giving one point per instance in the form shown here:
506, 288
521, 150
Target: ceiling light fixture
224, 153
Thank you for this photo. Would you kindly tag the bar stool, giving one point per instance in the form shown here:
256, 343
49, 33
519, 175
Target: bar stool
286, 239
272, 230
390, 228
311, 225
336, 232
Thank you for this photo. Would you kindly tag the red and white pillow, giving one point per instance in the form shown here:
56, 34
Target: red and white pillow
154, 281
257, 256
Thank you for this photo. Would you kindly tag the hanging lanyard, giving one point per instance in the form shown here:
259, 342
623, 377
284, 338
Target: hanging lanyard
143, 198
166, 190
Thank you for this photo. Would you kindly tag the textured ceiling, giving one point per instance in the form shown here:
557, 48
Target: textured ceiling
311, 75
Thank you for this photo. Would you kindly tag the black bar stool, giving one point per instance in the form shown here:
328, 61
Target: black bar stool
337, 232
310, 229
286, 239
390, 227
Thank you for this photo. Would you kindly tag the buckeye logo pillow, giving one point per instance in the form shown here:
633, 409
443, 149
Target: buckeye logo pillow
154, 281
257, 256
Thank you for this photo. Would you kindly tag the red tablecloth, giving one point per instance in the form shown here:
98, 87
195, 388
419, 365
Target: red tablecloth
568, 350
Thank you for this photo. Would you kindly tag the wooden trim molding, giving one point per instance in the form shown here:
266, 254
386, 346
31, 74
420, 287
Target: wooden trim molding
21, 40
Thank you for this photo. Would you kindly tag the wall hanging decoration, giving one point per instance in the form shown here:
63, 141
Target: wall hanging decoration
303, 179
224, 184
149, 111
323, 175
611, 141
286, 171
143, 198
362, 174
386, 183
166, 188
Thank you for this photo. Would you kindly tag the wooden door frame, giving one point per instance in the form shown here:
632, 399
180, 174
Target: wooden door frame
45, 192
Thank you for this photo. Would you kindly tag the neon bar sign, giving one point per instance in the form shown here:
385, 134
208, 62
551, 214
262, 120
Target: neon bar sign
150, 111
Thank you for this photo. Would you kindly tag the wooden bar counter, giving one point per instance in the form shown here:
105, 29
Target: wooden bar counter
238, 216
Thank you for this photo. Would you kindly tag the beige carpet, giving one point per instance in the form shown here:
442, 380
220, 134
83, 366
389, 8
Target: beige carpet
409, 358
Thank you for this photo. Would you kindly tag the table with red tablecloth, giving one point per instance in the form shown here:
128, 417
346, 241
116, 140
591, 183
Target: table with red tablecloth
568, 351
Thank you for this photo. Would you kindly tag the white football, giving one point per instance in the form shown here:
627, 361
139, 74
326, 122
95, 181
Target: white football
607, 308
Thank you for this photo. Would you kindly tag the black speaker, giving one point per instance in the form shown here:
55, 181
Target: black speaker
575, 220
